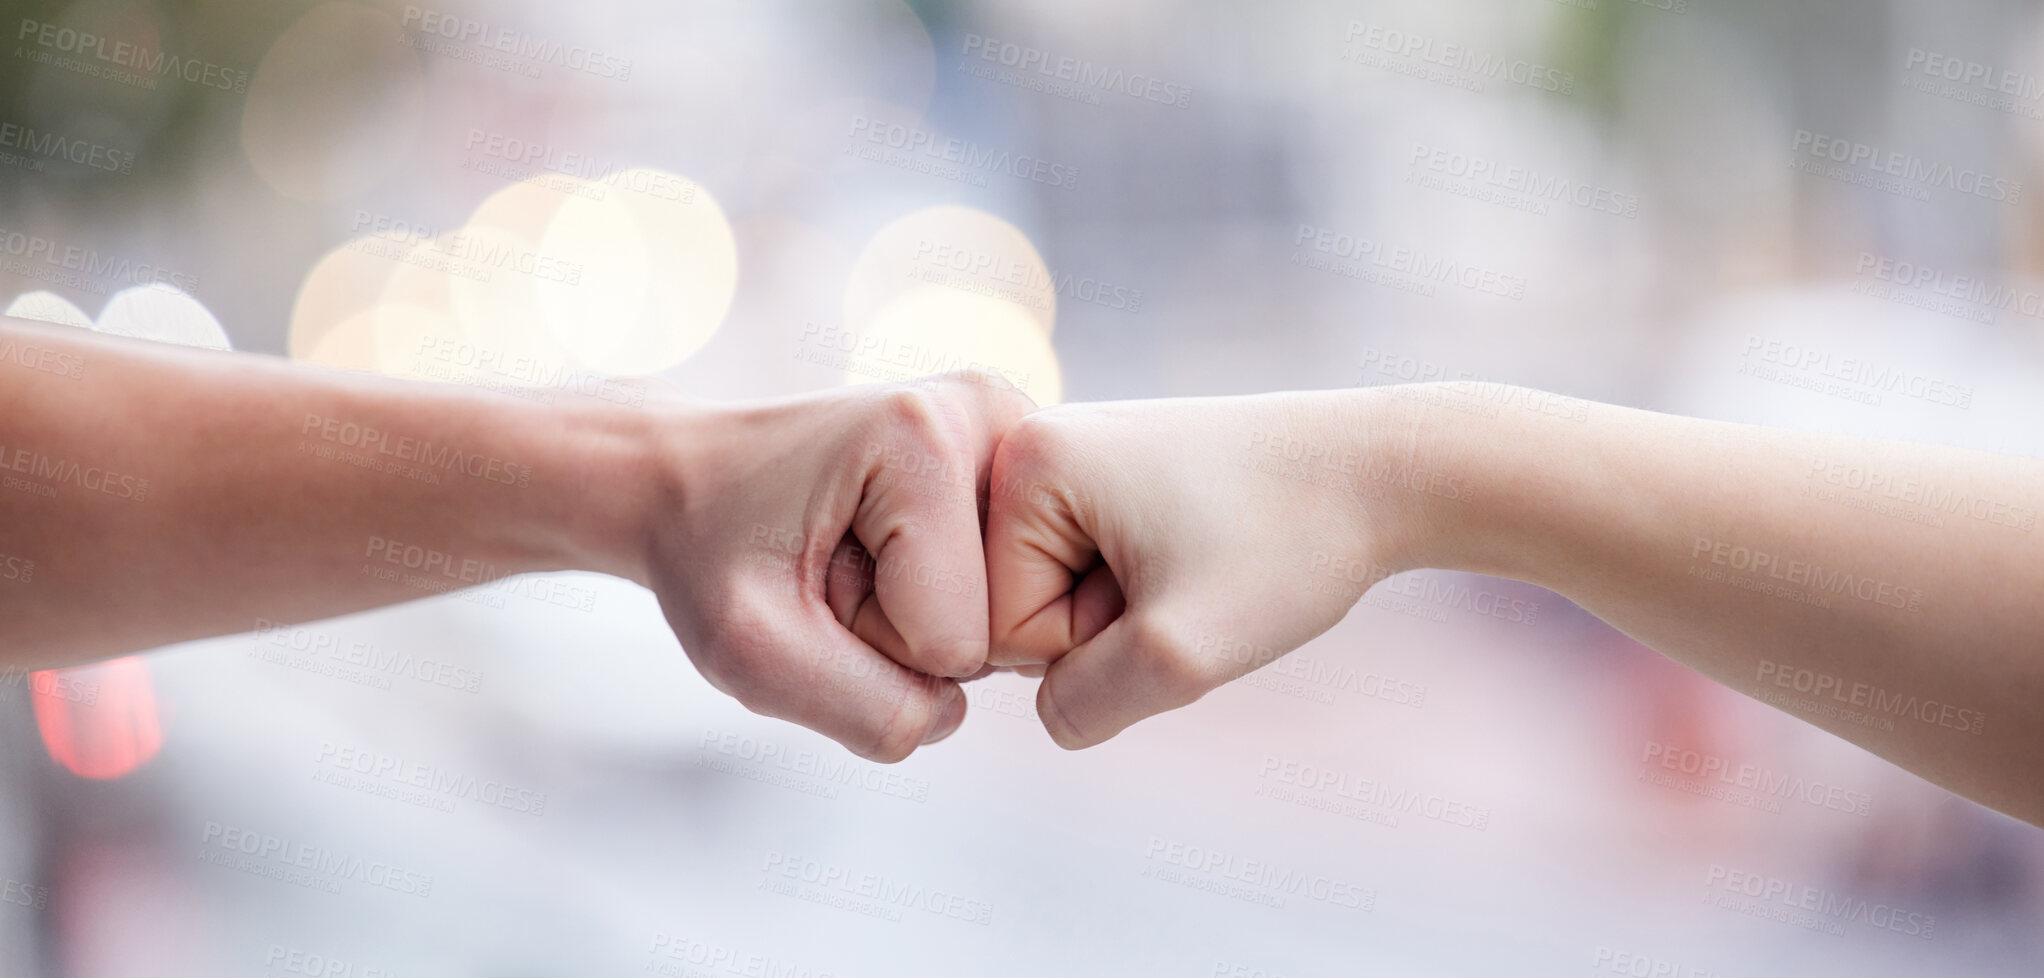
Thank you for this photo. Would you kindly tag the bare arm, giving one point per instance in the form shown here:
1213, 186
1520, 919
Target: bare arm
151, 494
1891, 593
164, 494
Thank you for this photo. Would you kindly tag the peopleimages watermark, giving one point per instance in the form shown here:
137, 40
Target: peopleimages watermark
33, 256
467, 39
1921, 286
1778, 575
520, 375
1857, 379
866, 893
436, 571
1743, 784
1396, 266
1304, 676
305, 864
31, 147
921, 151
59, 683
802, 770
463, 254
1910, 498
1333, 465
1402, 368
1973, 82
16, 570
884, 359
1893, 171
30, 895
681, 956
416, 458
45, 472
1623, 962
1023, 283
298, 961
1363, 799
1424, 381
1510, 185
119, 61
1810, 907
355, 661
1064, 76
431, 786
1259, 881
27, 353
1236, 969
1415, 593
1447, 62
514, 158
1872, 705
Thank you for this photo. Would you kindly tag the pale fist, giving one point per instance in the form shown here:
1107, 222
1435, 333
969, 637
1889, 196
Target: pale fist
1148, 552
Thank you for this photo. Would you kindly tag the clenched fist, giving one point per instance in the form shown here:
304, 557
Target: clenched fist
821, 561
1146, 552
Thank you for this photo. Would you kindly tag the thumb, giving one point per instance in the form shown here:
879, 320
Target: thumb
1139, 666
1049, 589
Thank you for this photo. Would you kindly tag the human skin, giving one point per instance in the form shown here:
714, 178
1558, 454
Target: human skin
1148, 552
818, 557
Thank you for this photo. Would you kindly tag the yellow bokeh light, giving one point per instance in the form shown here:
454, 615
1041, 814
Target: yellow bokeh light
334, 105
401, 332
347, 345
496, 303
627, 273
342, 284
959, 248
655, 267
934, 329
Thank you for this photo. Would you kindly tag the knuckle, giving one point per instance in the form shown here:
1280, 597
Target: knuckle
1163, 654
728, 641
976, 376
990, 389
1027, 456
924, 436
916, 411
901, 731
1036, 435
746, 652
957, 657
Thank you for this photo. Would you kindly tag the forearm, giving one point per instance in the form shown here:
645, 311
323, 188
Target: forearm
163, 494
1888, 592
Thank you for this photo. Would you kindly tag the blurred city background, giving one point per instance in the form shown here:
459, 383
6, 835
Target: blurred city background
1817, 214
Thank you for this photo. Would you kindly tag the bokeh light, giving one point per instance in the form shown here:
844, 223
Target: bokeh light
961, 248
344, 283
48, 307
934, 329
162, 313
335, 104
655, 267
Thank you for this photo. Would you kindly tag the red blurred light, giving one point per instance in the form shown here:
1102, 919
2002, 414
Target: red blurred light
99, 721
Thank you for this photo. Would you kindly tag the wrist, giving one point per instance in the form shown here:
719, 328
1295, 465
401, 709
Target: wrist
1481, 463
616, 471
1397, 517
